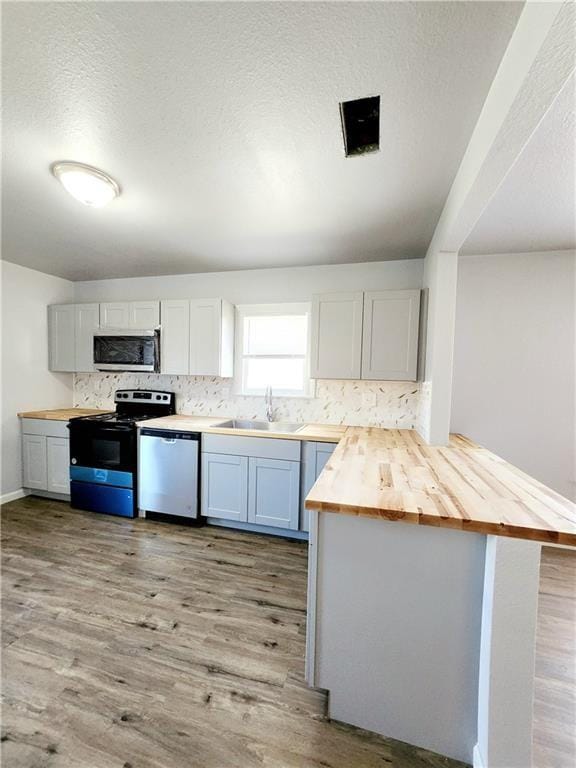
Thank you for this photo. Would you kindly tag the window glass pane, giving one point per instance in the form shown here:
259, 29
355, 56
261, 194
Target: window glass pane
275, 335
283, 374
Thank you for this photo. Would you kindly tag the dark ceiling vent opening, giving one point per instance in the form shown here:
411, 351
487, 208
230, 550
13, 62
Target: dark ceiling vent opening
361, 125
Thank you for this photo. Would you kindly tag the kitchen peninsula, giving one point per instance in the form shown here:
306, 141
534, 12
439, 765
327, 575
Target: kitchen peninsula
448, 598
422, 632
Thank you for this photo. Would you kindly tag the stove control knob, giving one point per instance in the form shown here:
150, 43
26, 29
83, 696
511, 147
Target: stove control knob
73, 461
158, 397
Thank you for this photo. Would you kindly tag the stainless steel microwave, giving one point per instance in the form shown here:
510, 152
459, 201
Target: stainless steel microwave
127, 351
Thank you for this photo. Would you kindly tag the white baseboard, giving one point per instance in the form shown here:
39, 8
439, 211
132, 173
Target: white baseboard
477, 761
19, 494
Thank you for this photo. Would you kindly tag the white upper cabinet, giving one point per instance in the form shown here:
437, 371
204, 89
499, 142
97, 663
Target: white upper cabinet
62, 337
135, 315
390, 335
175, 337
211, 338
115, 314
86, 321
336, 336
196, 337
372, 335
70, 336
144, 315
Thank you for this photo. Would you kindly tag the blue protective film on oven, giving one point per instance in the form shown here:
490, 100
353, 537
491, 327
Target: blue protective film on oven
104, 476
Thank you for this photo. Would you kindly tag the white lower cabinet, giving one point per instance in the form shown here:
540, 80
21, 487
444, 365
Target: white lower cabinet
45, 457
273, 492
261, 487
35, 462
58, 464
225, 486
314, 459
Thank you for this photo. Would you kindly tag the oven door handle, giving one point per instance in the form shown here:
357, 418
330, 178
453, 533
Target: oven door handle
97, 428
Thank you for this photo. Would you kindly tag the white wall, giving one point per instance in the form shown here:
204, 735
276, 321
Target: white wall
437, 345
26, 381
260, 285
401, 661
514, 361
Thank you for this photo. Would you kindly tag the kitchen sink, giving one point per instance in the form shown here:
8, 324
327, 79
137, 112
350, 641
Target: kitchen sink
261, 426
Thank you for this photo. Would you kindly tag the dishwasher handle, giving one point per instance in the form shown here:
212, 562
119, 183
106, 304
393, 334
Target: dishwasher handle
169, 435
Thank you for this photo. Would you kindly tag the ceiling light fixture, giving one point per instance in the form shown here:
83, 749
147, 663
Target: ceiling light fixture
87, 184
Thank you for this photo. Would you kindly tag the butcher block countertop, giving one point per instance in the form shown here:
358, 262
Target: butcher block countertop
395, 475
322, 433
60, 414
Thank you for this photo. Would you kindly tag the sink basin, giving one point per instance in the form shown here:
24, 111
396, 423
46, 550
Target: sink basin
261, 426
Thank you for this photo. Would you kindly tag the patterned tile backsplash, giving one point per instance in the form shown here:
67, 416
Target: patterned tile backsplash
361, 403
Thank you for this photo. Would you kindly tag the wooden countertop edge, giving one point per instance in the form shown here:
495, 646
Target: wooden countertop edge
59, 414
305, 433
298, 435
434, 521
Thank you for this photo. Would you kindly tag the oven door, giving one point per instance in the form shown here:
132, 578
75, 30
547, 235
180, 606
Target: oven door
97, 446
127, 351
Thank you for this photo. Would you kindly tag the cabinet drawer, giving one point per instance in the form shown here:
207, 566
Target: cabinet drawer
45, 427
259, 447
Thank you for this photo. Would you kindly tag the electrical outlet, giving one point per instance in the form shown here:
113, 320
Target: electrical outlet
369, 399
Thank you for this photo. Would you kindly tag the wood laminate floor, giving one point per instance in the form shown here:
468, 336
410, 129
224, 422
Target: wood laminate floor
555, 685
138, 644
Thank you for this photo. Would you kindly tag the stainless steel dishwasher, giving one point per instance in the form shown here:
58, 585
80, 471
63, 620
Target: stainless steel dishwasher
169, 472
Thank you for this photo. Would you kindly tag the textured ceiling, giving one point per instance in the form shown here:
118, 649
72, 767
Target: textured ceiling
220, 121
535, 207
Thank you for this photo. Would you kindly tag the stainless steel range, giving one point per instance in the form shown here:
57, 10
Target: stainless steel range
103, 452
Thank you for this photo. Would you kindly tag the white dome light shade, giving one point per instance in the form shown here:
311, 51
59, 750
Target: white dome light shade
87, 184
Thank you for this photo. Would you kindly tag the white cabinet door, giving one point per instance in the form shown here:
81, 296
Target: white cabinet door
336, 336
175, 337
390, 336
144, 315
138, 315
115, 314
58, 464
61, 337
87, 321
314, 458
205, 336
34, 462
274, 492
225, 486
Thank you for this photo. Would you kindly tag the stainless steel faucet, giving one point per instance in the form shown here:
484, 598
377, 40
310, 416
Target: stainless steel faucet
269, 408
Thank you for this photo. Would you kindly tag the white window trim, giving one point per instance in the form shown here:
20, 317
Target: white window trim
288, 308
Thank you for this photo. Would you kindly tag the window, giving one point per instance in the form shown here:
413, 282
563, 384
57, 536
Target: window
272, 349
